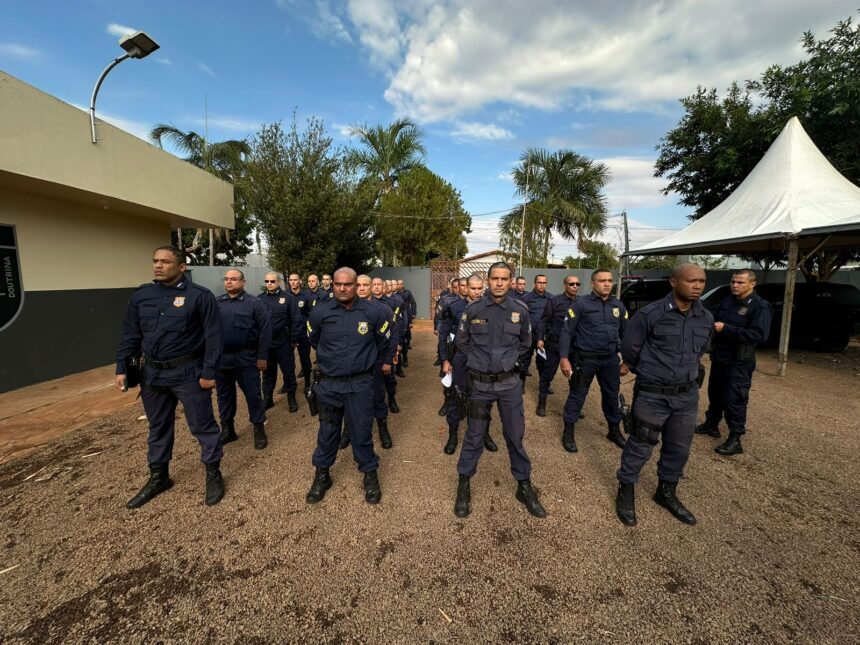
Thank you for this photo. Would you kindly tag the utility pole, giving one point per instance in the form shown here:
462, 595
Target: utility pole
523, 223
622, 265
206, 165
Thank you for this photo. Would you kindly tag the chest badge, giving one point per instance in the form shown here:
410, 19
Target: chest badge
301, 303
570, 313
742, 311
282, 301
362, 328
515, 317
616, 312
179, 301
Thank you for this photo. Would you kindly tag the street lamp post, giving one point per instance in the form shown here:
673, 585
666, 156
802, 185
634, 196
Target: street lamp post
138, 45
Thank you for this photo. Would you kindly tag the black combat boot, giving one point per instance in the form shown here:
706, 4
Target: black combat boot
344, 439
322, 482
451, 446
270, 401
372, 492
489, 444
283, 389
541, 406
384, 435
615, 436
625, 504
291, 401
665, 496
392, 404
463, 505
528, 496
568, 437
732, 446
708, 428
214, 483
444, 409
260, 440
228, 432
158, 483
405, 359
398, 370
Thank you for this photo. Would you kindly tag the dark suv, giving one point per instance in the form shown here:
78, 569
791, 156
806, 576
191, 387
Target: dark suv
823, 317
638, 292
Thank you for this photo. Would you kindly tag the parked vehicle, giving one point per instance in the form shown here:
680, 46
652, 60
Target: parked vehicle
824, 315
636, 292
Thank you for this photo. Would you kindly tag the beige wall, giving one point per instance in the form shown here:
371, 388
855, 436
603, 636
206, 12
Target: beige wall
45, 140
63, 245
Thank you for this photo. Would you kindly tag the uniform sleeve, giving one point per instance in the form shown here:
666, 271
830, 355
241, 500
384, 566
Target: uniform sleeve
211, 321
634, 338
383, 335
622, 328
313, 327
413, 305
396, 333
568, 329
446, 326
131, 336
525, 336
263, 320
758, 329
543, 324
463, 337
296, 326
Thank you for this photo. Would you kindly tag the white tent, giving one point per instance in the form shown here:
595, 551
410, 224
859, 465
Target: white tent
791, 189
793, 200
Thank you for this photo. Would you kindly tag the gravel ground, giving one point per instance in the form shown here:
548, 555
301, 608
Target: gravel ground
773, 559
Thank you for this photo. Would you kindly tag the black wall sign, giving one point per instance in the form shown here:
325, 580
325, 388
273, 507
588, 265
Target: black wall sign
11, 293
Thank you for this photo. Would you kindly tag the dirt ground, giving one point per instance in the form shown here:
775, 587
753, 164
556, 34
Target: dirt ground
775, 557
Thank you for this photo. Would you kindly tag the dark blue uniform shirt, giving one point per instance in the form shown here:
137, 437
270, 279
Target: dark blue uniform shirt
440, 304
304, 303
556, 310
246, 330
746, 321
494, 336
166, 323
390, 351
409, 299
348, 341
663, 345
397, 326
283, 312
451, 316
316, 297
594, 325
536, 304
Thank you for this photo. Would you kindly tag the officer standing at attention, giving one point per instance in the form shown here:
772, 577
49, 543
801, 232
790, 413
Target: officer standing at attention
742, 322
377, 286
409, 299
317, 295
304, 304
408, 317
246, 334
326, 285
662, 346
399, 306
451, 292
549, 332
174, 324
588, 346
286, 329
494, 334
536, 300
348, 334
454, 362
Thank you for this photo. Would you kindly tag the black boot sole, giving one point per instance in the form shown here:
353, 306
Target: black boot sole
728, 453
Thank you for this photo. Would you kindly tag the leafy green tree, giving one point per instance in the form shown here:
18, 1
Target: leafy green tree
314, 212
594, 255
387, 152
225, 160
656, 262
422, 219
719, 141
563, 194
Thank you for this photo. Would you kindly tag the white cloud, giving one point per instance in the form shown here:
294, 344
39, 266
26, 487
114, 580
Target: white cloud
230, 124
324, 17
120, 31
472, 131
342, 129
633, 184
505, 176
447, 58
164, 61
20, 52
203, 67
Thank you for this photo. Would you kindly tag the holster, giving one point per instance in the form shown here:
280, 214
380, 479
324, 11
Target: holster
700, 375
462, 397
642, 430
745, 352
578, 378
311, 396
479, 410
626, 414
133, 371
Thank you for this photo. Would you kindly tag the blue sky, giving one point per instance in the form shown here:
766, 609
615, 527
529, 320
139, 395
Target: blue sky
485, 79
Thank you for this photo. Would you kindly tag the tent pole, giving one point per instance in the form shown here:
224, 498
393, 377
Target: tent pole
787, 304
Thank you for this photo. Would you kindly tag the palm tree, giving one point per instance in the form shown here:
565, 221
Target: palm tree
387, 152
562, 192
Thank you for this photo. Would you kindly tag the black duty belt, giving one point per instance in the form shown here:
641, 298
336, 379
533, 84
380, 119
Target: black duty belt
173, 362
346, 379
666, 389
491, 378
582, 354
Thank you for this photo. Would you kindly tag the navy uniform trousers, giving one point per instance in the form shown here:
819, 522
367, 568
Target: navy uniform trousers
460, 380
608, 378
164, 388
380, 409
539, 360
508, 395
729, 393
304, 349
350, 401
550, 367
248, 379
281, 356
676, 414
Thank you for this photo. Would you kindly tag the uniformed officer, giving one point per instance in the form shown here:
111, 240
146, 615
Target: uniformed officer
549, 332
286, 329
454, 362
742, 322
451, 292
408, 317
304, 303
377, 287
246, 334
494, 334
588, 346
348, 334
326, 285
663, 344
536, 300
398, 305
316, 293
518, 288
409, 299
174, 324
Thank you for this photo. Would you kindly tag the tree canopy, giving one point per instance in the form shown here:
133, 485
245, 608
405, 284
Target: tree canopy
594, 254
